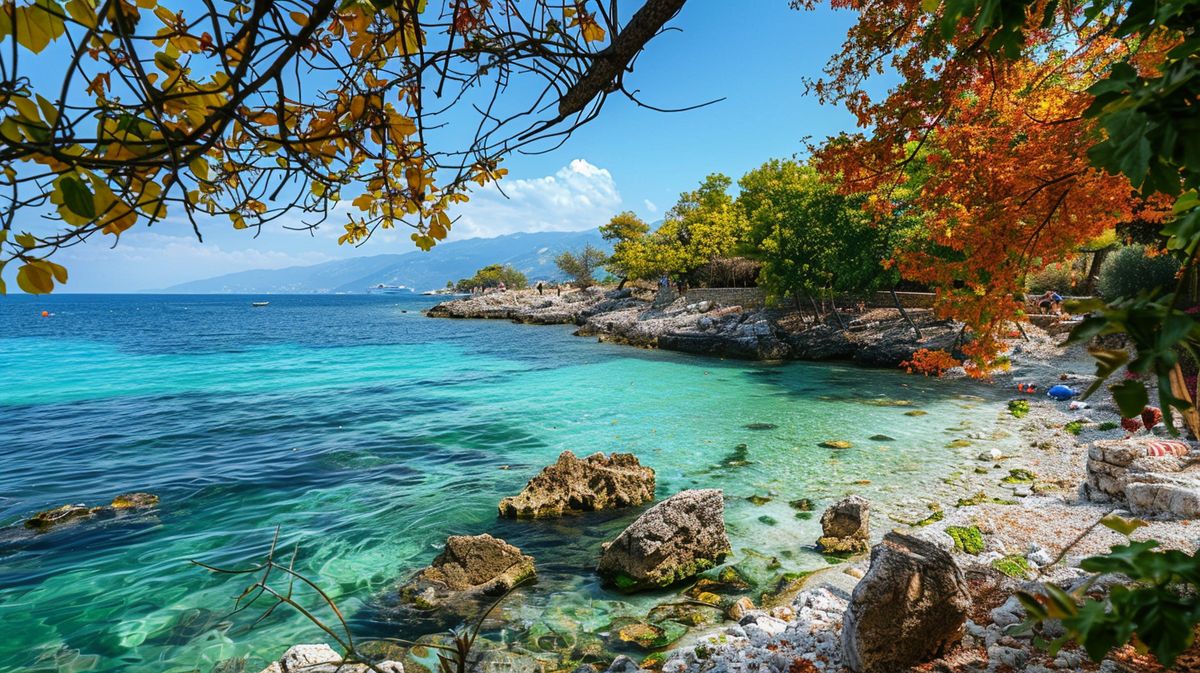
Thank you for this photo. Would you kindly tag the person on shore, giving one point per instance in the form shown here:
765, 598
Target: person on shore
501, 287
558, 287
1051, 302
539, 288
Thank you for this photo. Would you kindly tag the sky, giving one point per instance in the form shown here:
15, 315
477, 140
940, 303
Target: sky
753, 53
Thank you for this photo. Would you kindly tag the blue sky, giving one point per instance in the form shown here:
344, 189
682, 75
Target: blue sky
753, 53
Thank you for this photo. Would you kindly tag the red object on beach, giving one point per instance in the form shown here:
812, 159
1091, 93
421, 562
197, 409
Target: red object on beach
1131, 424
1168, 447
1151, 416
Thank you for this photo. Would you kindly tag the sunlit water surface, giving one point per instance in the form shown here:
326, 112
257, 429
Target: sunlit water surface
368, 433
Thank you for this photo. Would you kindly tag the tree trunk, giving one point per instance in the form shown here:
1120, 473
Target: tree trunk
836, 312
621, 285
904, 313
1089, 283
818, 316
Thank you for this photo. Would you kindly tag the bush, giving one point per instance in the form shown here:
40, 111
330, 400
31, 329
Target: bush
729, 272
1130, 270
491, 276
1059, 277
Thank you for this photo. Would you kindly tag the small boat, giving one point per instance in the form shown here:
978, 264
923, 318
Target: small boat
259, 304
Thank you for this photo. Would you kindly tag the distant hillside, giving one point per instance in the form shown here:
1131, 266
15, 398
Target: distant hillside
533, 254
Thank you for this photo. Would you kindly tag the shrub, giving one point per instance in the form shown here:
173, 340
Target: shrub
491, 276
1131, 270
581, 266
930, 362
1058, 277
1074, 427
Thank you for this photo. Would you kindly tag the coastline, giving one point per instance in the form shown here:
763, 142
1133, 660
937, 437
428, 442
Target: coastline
1029, 507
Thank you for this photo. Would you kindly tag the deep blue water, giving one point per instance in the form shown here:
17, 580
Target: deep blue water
367, 433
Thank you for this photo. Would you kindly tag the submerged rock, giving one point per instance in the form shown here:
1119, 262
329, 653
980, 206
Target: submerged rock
323, 659
845, 526
909, 608
469, 566
50, 518
136, 500
672, 541
573, 484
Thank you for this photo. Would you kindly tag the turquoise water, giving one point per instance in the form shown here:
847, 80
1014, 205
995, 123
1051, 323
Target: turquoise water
367, 433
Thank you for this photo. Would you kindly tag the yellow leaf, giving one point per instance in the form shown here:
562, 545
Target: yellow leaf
83, 12
300, 18
34, 280
199, 168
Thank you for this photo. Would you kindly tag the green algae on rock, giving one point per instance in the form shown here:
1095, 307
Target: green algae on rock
1013, 565
967, 539
836, 444
1019, 476
674, 540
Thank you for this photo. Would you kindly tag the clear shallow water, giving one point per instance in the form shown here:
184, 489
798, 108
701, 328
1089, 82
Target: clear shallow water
368, 434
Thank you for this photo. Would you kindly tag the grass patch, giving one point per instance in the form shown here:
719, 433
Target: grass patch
967, 539
1108, 425
1018, 408
1019, 476
1074, 427
1013, 565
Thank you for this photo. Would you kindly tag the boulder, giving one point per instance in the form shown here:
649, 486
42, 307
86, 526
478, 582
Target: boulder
470, 566
910, 607
323, 659
1152, 485
479, 563
573, 484
845, 526
672, 541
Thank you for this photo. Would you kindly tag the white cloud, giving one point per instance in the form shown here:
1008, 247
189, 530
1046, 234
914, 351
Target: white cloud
650, 207
577, 197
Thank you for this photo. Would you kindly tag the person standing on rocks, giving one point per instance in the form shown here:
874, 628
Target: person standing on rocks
539, 288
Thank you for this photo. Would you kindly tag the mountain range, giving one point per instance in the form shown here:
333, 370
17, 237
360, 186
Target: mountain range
531, 253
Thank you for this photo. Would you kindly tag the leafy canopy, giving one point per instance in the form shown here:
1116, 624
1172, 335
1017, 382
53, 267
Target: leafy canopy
120, 112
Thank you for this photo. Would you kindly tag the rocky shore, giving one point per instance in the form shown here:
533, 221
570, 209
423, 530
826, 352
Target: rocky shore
922, 584
876, 338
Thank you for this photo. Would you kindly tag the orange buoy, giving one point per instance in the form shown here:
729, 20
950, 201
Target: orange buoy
45, 314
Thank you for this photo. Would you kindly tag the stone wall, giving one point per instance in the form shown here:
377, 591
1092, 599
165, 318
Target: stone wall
746, 297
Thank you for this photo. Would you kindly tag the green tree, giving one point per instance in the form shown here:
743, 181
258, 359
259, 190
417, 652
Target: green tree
492, 276
627, 232
703, 225
809, 236
581, 266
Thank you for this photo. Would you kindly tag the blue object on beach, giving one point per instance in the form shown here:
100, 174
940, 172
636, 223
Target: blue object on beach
1061, 392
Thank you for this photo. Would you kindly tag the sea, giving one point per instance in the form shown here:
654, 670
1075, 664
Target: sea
353, 434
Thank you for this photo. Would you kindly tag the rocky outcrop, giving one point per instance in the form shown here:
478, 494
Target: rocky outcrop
475, 565
323, 659
672, 541
846, 526
706, 328
1122, 470
62, 514
583, 485
910, 607
527, 306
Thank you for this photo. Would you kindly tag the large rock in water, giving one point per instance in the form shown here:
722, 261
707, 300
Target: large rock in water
470, 565
323, 659
909, 608
672, 541
589, 484
846, 526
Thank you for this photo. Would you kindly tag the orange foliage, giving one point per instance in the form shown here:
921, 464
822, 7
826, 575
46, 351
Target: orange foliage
989, 155
930, 362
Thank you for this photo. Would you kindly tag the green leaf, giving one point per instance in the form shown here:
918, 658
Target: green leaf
77, 197
1131, 397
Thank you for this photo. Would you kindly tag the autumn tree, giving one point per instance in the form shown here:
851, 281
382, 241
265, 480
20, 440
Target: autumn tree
115, 112
1000, 110
581, 266
703, 225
